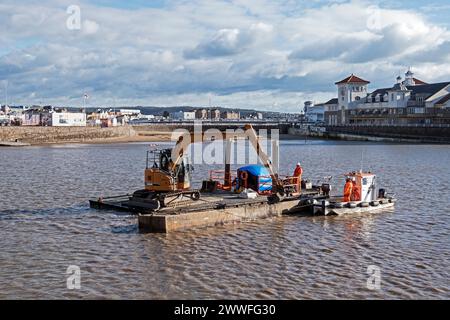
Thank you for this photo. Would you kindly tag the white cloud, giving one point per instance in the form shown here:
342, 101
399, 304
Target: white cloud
224, 43
227, 42
90, 27
245, 53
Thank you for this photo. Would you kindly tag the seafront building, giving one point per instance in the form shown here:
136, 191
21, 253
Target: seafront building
231, 115
314, 112
205, 114
183, 115
409, 101
53, 117
107, 117
11, 115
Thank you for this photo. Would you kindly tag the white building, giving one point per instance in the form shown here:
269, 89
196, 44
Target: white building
351, 90
406, 98
444, 102
68, 119
183, 115
409, 93
314, 112
130, 112
147, 117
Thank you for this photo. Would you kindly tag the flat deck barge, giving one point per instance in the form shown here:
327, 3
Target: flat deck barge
221, 208
210, 210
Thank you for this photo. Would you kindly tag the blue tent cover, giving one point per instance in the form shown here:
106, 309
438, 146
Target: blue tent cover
259, 171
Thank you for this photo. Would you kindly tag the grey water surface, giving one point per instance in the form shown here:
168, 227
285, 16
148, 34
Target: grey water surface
46, 225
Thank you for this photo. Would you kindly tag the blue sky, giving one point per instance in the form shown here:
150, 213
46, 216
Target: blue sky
268, 55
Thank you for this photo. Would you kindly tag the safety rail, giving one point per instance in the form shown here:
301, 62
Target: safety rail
263, 182
292, 182
219, 176
406, 125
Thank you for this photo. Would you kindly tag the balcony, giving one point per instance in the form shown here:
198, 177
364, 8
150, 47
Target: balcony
414, 103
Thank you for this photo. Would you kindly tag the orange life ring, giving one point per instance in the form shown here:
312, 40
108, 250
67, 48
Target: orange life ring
244, 176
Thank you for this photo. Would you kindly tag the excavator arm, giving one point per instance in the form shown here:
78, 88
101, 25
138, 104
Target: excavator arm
249, 133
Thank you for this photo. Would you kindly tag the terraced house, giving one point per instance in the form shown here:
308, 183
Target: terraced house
409, 101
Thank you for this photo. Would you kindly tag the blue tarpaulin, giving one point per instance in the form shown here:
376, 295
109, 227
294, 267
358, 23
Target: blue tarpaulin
255, 173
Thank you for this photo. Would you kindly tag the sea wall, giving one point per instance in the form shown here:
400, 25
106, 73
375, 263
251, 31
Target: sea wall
42, 135
439, 134
424, 134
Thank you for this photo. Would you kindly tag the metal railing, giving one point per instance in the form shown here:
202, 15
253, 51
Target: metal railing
221, 122
409, 125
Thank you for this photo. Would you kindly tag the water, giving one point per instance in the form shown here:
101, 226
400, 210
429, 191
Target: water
46, 225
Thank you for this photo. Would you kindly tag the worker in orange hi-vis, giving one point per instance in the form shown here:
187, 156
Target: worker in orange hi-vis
348, 189
356, 192
298, 172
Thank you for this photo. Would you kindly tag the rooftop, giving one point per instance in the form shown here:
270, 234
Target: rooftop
418, 81
444, 100
425, 88
353, 79
332, 101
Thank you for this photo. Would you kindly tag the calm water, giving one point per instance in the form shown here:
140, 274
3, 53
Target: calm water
46, 225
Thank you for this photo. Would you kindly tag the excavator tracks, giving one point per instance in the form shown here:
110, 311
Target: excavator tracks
175, 199
153, 201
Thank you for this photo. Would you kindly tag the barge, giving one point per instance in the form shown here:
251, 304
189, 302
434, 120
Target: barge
212, 209
168, 202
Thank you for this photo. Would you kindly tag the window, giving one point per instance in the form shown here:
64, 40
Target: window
420, 100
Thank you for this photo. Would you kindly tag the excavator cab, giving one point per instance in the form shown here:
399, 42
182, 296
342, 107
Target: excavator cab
160, 176
166, 184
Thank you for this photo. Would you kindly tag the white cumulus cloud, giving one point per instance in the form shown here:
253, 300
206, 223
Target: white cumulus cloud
244, 53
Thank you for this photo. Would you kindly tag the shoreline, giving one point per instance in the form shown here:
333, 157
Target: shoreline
113, 140
159, 137
148, 137
46, 136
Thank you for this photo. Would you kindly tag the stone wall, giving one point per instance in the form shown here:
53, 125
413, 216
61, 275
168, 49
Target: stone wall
38, 135
421, 133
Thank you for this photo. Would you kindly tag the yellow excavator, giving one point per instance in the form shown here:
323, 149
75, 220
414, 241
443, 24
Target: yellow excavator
168, 172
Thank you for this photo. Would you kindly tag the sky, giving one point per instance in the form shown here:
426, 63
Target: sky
262, 54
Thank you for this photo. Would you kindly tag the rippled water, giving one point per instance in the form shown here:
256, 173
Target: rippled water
46, 225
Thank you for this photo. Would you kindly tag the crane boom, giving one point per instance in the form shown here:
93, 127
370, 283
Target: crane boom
249, 133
